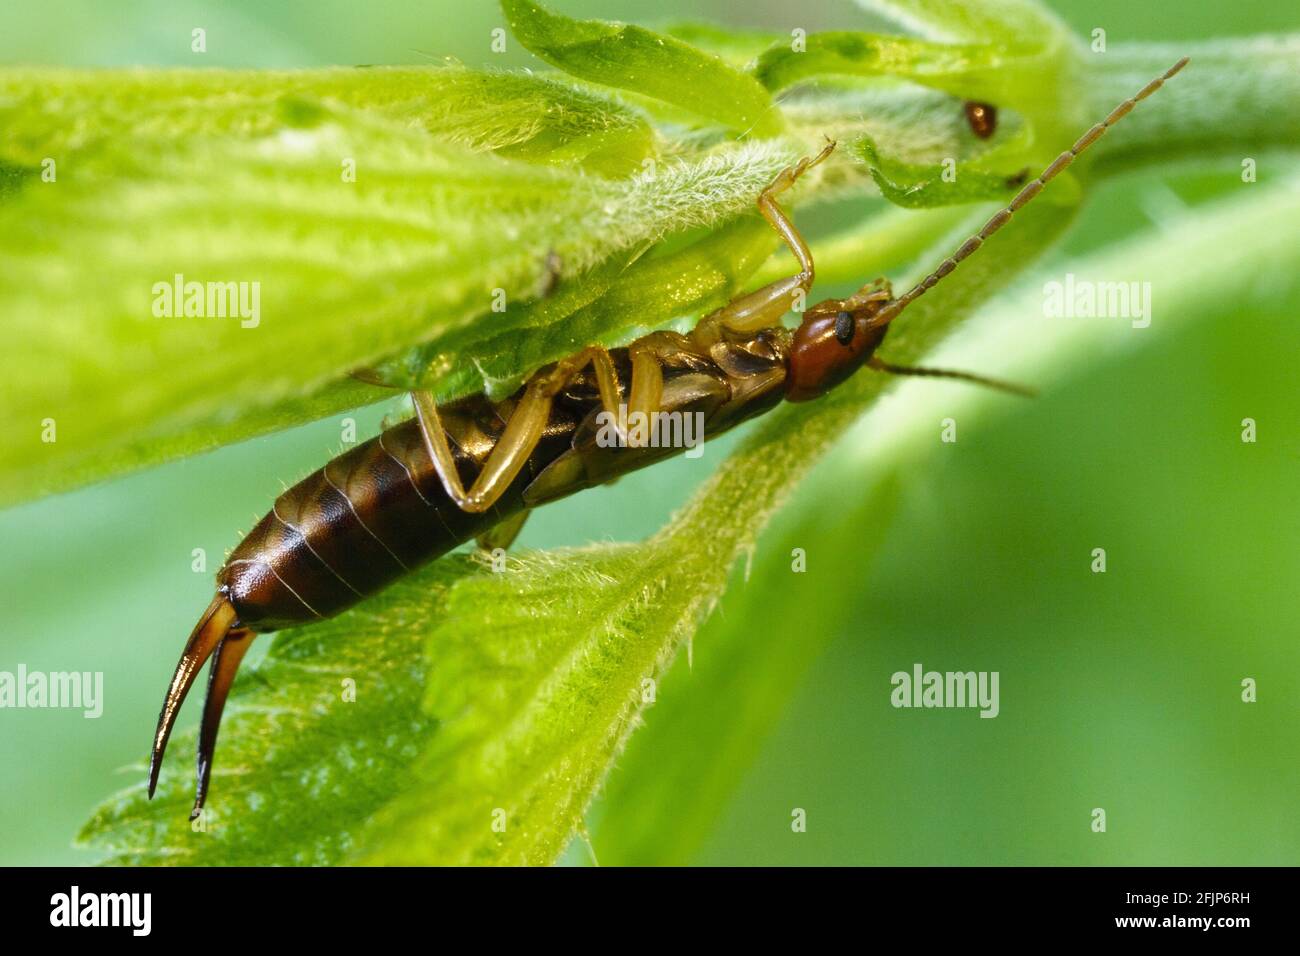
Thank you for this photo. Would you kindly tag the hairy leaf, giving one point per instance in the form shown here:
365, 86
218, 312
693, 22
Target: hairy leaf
946, 66
618, 299
1029, 62
80, 116
740, 48
980, 21
634, 58
334, 274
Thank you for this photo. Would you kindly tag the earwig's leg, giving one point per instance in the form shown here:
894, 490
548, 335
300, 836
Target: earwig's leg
521, 434
878, 291
220, 678
883, 366
506, 459
647, 383
647, 390
503, 535
765, 307
206, 637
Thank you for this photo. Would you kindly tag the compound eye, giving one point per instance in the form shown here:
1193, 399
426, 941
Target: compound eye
844, 328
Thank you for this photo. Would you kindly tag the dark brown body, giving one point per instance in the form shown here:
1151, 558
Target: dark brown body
379, 510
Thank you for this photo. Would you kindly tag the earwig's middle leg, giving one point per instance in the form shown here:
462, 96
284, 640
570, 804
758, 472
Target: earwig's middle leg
522, 431
764, 308
645, 397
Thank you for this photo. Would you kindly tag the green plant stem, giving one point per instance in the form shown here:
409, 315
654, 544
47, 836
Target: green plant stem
1236, 98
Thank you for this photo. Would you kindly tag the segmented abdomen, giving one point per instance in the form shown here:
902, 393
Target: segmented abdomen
378, 511
370, 516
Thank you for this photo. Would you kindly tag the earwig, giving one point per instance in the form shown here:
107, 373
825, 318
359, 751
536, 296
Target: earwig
982, 118
474, 468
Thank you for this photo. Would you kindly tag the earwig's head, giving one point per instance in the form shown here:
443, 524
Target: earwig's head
835, 339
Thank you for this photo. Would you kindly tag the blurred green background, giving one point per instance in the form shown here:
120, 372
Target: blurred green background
1118, 691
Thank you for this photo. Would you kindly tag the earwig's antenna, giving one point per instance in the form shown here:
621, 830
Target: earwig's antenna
1032, 189
1014, 389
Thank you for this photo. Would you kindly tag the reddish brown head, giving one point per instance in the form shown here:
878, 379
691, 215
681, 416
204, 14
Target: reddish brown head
835, 339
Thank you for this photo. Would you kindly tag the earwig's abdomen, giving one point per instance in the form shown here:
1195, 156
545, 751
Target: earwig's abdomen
373, 514
367, 518
328, 541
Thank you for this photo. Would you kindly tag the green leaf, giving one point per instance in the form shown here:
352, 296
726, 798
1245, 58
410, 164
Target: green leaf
945, 66
539, 678
740, 48
347, 273
79, 117
1014, 57
653, 64
619, 299
752, 656
1010, 22
996, 174
1237, 98
1030, 60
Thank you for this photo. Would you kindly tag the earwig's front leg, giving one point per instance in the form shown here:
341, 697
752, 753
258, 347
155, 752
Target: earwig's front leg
764, 308
522, 432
